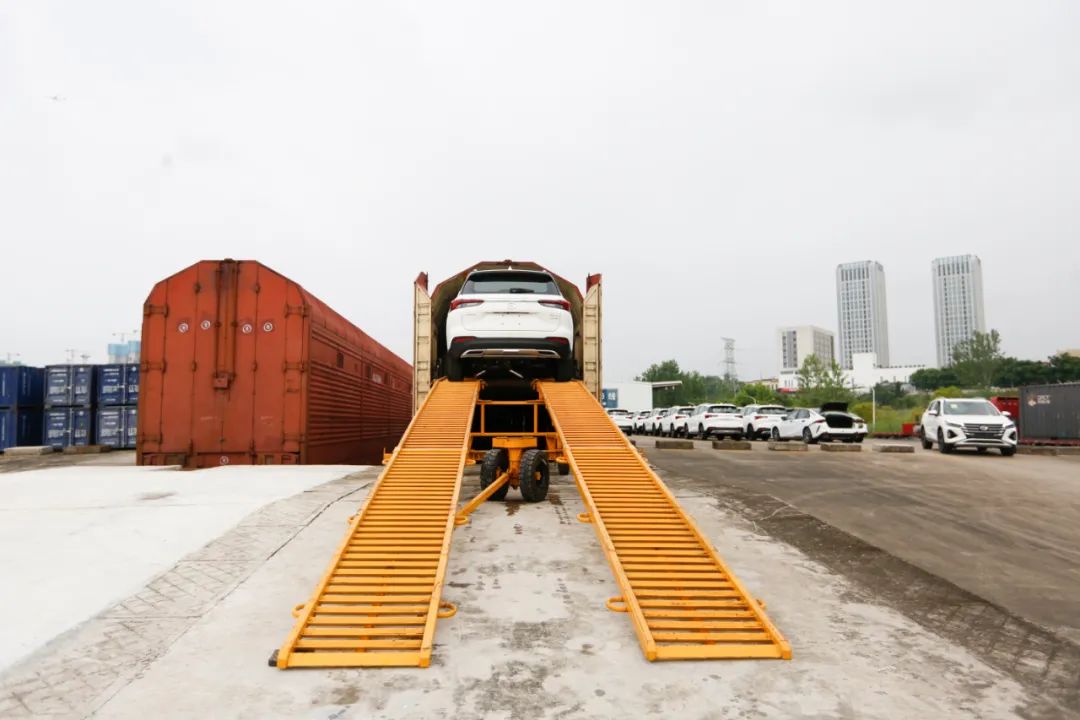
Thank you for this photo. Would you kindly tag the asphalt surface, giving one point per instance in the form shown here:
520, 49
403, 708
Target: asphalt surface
982, 549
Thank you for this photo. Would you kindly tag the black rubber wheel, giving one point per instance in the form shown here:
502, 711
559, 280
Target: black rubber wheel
701, 432
807, 437
564, 468
1008, 451
454, 370
775, 434
859, 440
927, 444
981, 451
564, 369
534, 479
495, 463
943, 447
749, 432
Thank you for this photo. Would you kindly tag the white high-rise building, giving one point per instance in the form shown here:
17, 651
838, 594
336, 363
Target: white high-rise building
860, 305
799, 342
958, 303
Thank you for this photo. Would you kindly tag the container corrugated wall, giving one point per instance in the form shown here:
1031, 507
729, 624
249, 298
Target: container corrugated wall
1050, 413
242, 365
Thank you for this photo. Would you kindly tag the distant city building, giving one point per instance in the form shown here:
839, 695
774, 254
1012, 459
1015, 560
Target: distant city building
799, 342
958, 303
770, 383
866, 373
862, 313
1071, 353
125, 352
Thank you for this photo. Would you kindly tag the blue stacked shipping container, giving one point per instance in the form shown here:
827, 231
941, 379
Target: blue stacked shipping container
117, 398
69, 399
20, 405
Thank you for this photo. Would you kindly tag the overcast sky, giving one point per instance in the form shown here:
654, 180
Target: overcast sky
714, 160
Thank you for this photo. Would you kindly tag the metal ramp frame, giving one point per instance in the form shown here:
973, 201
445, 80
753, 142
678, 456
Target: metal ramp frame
682, 599
378, 602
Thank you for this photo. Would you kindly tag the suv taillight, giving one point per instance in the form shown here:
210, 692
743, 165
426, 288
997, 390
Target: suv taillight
455, 304
558, 340
562, 304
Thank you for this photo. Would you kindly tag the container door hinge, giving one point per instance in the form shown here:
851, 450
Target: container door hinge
149, 309
300, 367
300, 310
223, 380
148, 366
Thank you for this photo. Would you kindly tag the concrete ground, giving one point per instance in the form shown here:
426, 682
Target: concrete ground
874, 635
79, 536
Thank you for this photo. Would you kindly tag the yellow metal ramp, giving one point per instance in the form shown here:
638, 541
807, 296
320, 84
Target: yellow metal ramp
681, 597
377, 604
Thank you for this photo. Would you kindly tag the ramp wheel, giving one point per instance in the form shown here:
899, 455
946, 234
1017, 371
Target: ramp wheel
534, 475
496, 462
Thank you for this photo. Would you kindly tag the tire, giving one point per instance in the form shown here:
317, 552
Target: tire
749, 432
564, 468
981, 451
807, 437
775, 434
926, 444
494, 464
859, 440
943, 447
535, 477
1008, 451
454, 370
564, 369
701, 432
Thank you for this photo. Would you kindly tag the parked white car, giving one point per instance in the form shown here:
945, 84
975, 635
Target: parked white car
514, 318
623, 419
758, 420
711, 420
967, 422
641, 419
674, 421
831, 422
652, 424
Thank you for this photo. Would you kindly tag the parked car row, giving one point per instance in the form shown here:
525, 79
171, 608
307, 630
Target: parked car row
724, 420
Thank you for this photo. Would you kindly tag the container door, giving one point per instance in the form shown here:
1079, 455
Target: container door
111, 384
58, 385
284, 405
591, 334
57, 427
131, 381
422, 345
82, 421
239, 296
109, 427
82, 392
131, 426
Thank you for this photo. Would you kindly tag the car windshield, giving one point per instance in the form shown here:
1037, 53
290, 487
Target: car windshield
721, 408
771, 411
685, 410
969, 407
618, 412
526, 283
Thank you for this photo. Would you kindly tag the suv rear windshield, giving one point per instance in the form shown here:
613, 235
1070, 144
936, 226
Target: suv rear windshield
771, 410
721, 408
526, 283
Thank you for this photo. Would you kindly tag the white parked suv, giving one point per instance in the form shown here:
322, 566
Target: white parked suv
623, 419
967, 422
515, 318
673, 423
641, 419
758, 420
652, 424
714, 420
831, 422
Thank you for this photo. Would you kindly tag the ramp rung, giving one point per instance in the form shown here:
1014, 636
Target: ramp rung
683, 601
377, 604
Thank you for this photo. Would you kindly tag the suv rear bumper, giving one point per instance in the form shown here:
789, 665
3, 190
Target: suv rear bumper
509, 349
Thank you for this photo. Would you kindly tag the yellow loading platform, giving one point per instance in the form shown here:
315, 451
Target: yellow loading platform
682, 599
377, 604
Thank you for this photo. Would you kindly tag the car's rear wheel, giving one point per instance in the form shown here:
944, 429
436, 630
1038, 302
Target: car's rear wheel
775, 434
749, 432
927, 443
564, 369
807, 436
454, 370
701, 432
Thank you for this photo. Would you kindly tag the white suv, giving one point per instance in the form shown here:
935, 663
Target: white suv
716, 420
624, 419
973, 422
674, 422
514, 318
641, 421
759, 420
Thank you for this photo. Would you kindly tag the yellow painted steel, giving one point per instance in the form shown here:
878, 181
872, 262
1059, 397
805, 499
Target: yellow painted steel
377, 604
683, 600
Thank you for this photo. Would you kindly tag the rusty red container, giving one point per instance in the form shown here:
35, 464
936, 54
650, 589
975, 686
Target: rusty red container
242, 365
